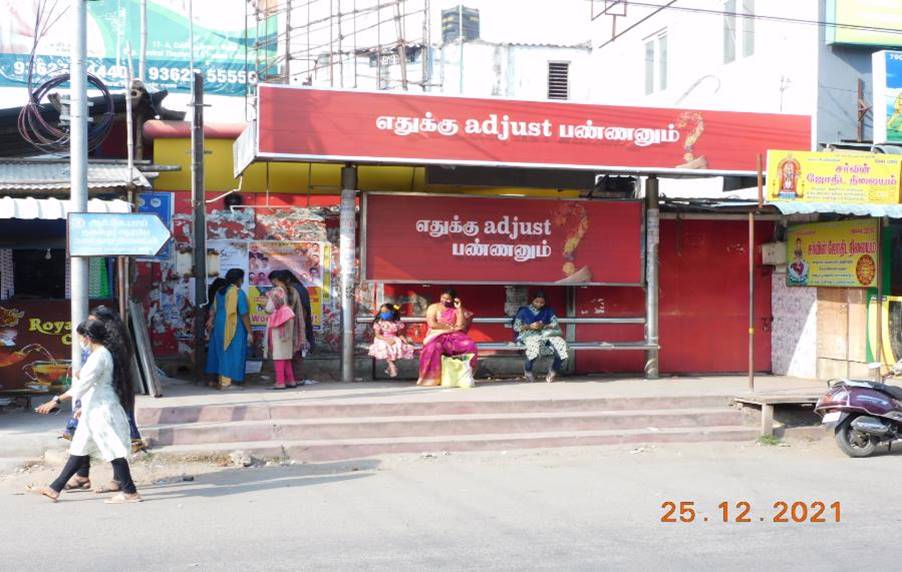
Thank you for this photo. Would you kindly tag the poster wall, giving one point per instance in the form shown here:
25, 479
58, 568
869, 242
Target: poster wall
842, 254
833, 177
887, 74
457, 239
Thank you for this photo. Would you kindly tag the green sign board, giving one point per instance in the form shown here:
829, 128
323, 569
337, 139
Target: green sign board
224, 43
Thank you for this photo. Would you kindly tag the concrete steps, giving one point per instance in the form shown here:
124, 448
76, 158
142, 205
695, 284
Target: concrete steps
302, 409
319, 430
343, 449
436, 425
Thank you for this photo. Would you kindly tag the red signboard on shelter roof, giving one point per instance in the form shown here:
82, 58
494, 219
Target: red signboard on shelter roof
331, 125
454, 239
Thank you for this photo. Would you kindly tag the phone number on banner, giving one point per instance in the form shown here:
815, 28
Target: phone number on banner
219, 79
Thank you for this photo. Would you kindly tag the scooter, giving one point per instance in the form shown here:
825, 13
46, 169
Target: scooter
862, 414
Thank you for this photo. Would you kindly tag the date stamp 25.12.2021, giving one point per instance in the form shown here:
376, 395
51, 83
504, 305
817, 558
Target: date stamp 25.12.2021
686, 512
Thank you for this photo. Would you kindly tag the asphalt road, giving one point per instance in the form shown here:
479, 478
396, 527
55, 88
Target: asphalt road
574, 509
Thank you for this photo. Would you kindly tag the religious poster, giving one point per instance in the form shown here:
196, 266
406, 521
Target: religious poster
842, 254
847, 178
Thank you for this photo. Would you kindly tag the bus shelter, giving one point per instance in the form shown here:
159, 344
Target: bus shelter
607, 233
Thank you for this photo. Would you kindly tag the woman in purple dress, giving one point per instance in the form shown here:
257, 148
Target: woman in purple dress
448, 322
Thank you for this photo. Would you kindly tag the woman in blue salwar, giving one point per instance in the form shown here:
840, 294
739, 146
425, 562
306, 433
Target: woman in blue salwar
231, 332
537, 328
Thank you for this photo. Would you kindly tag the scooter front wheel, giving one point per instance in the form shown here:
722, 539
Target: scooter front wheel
855, 443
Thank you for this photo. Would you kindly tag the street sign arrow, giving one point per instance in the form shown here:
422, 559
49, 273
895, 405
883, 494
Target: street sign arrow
115, 234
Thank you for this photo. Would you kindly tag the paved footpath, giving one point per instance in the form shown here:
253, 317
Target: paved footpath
568, 509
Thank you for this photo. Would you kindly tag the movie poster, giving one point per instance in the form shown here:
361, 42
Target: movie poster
308, 261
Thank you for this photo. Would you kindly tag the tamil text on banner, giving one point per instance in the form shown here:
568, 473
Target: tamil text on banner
849, 178
444, 239
219, 49
840, 254
887, 67
304, 123
306, 260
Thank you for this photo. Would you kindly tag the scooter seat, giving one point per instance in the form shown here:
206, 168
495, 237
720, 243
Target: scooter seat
893, 391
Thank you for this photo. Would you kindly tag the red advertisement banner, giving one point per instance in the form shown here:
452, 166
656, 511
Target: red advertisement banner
315, 124
443, 239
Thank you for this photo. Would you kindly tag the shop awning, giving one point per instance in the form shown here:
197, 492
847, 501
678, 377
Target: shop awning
877, 211
22, 176
30, 208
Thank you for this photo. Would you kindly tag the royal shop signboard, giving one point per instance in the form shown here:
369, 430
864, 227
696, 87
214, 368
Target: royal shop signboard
35, 346
306, 124
456, 240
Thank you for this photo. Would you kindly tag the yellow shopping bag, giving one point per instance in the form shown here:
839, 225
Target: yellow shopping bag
456, 371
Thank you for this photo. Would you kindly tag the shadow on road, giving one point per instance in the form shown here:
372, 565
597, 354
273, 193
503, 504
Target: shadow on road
239, 481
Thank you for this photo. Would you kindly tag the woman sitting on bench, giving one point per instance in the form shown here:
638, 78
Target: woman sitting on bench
448, 322
537, 328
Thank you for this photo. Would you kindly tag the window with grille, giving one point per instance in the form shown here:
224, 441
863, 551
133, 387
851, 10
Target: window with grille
656, 62
558, 80
729, 31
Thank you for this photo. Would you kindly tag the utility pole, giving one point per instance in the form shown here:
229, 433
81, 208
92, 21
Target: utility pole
347, 259
78, 163
198, 206
652, 240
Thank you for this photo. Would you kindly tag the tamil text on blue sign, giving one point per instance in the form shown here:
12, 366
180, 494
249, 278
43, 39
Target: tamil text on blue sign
108, 234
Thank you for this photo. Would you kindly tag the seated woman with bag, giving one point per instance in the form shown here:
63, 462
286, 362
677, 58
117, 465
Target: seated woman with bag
448, 322
537, 328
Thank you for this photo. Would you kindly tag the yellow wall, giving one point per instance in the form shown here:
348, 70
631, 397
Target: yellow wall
301, 178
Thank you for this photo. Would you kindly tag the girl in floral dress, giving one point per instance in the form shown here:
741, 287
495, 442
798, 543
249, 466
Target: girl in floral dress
388, 343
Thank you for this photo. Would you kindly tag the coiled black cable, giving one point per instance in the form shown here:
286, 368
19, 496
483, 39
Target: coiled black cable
50, 138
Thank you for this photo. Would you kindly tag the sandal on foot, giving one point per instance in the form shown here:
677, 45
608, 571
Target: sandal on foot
43, 491
113, 487
77, 484
122, 498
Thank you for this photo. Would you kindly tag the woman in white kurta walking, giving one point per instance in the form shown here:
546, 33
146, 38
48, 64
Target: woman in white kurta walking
103, 425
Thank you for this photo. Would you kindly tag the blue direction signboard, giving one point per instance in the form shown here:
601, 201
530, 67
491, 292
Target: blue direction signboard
112, 234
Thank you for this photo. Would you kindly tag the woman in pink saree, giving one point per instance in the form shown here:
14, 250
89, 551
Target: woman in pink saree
448, 322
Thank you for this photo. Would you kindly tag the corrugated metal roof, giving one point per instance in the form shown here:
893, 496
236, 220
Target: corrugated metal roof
44, 175
879, 211
53, 209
